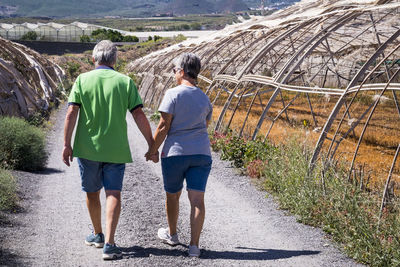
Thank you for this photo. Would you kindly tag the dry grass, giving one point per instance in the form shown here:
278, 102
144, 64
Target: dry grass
375, 153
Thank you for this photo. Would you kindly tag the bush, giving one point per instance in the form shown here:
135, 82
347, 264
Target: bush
130, 38
8, 195
73, 69
22, 146
156, 38
29, 36
85, 38
103, 34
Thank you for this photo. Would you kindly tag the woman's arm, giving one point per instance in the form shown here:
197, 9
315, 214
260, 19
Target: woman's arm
160, 133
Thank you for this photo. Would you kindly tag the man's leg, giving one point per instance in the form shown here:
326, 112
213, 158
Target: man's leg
113, 210
94, 207
172, 208
197, 215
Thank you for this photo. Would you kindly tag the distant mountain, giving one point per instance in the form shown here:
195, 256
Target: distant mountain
133, 8
230, 6
182, 7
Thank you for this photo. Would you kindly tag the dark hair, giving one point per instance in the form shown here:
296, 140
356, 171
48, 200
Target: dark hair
190, 63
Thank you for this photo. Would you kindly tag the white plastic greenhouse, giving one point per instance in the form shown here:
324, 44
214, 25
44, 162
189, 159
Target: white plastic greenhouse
48, 31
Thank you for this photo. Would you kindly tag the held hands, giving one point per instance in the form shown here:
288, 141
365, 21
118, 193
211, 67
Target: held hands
67, 155
152, 156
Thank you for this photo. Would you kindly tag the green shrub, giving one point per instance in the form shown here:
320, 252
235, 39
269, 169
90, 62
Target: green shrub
130, 38
22, 146
29, 36
157, 37
85, 38
8, 194
73, 69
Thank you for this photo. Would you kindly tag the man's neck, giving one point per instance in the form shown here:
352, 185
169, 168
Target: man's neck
104, 67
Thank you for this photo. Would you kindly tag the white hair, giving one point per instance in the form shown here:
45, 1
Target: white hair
105, 53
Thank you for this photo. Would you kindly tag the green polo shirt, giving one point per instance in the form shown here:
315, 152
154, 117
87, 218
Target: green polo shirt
104, 97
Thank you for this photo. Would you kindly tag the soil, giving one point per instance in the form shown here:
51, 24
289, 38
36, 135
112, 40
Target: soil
243, 226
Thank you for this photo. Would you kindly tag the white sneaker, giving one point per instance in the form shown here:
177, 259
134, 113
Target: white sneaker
163, 234
194, 251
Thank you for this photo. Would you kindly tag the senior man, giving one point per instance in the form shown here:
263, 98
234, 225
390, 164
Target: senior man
102, 98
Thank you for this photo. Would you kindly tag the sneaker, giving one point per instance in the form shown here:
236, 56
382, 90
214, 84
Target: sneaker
111, 252
194, 251
163, 234
95, 240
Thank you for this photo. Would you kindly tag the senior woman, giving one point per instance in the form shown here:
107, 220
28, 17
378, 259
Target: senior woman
185, 114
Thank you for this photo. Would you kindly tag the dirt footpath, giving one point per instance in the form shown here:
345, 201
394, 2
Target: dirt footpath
243, 227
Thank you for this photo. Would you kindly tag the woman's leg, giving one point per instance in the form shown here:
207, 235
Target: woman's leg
197, 215
172, 208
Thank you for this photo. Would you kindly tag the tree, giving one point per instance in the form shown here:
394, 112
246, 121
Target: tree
85, 38
29, 36
131, 38
185, 26
195, 26
156, 37
103, 34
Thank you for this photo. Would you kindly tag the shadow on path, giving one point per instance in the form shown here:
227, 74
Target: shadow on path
9, 259
48, 171
141, 252
254, 254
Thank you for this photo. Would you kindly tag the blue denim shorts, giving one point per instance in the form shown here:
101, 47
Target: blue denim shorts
195, 168
95, 175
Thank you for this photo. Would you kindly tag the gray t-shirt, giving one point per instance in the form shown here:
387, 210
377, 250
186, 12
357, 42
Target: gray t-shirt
188, 135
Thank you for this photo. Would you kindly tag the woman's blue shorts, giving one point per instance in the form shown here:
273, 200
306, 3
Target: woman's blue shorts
195, 168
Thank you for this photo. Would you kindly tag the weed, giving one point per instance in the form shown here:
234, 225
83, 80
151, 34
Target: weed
155, 117
72, 69
8, 191
326, 199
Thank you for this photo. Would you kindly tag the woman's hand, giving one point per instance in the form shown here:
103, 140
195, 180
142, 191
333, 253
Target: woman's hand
152, 156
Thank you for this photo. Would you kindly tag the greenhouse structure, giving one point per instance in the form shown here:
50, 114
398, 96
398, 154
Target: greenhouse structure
48, 31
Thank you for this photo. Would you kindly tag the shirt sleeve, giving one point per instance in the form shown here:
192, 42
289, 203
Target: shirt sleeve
75, 95
134, 101
168, 103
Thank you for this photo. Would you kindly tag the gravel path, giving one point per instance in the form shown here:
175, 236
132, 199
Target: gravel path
243, 227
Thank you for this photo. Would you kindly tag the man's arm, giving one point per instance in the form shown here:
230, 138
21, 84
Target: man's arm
143, 125
69, 125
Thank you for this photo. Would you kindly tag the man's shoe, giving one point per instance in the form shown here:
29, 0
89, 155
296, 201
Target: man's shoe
163, 234
194, 251
95, 240
111, 252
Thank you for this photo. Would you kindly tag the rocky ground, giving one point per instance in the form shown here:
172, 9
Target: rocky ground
243, 226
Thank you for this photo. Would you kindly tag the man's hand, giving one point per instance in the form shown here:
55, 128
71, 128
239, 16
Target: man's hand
67, 155
152, 156
69, 125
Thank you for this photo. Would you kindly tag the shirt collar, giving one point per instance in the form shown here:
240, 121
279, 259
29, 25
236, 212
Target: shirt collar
104, 67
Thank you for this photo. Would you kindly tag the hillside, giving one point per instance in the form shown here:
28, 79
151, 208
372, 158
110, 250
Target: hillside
230, 5
141, 8
181, 7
